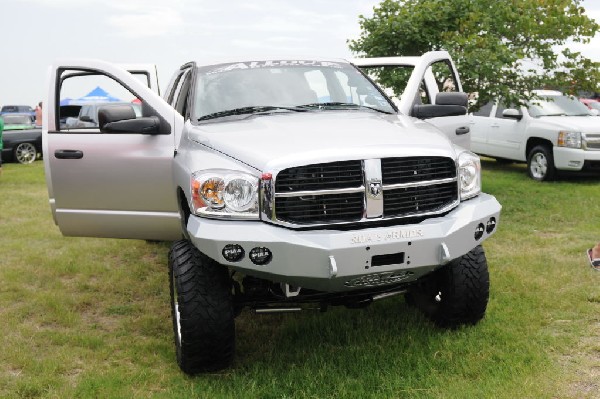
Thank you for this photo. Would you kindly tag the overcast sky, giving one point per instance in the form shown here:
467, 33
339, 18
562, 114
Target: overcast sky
169, 33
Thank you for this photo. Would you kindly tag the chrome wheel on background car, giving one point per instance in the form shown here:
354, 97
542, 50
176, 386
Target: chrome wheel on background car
540, 163
25, 153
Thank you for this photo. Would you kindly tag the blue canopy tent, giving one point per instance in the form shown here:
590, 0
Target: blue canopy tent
98, 95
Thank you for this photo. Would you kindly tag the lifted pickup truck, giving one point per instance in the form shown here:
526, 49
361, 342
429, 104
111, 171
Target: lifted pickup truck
285, 184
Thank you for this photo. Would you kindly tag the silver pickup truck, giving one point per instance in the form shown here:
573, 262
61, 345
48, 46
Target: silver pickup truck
284, 184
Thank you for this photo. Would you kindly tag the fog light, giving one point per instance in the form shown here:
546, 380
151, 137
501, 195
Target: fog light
491, 225
479, 231
260, 256
233, 252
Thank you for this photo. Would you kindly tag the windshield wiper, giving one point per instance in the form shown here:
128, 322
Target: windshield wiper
249, 110
560, 114
340, 105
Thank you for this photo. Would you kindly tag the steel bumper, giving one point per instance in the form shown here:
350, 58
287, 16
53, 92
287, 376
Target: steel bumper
334, 260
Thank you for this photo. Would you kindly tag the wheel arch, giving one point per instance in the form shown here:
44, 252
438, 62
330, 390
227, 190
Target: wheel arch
535, 141
184, 210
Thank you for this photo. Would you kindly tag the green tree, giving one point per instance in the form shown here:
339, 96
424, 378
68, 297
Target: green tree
501, 48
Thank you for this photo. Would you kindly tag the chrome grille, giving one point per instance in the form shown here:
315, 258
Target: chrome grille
345, 192
592, 141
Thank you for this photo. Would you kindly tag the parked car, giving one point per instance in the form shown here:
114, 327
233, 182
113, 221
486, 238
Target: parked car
17, 121
591, 103
284, 184
553, 133
22, 141
20, 109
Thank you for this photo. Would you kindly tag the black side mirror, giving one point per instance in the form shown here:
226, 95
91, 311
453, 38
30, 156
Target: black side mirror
452, 98
85, 118
121, 119
446, 104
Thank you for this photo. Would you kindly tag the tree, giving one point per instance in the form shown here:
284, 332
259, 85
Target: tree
501, 48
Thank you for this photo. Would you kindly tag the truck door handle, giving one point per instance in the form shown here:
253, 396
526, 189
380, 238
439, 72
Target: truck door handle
68, 154
462, 130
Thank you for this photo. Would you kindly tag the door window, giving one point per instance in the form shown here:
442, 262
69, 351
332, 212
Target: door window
484, 110
91, 91
444, 76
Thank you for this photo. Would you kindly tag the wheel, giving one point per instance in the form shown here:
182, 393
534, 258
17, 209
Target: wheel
25, 153
202, 310
457, 293
540, 163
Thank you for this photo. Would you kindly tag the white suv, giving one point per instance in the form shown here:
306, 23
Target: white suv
552, 133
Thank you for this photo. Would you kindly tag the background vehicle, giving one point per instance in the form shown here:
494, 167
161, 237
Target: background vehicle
591, 103
19, 109
22, 141
553, 133
271, 176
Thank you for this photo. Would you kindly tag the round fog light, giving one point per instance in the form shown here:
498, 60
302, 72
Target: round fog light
233, 252
260, 256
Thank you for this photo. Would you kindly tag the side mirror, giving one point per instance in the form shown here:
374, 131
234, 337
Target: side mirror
446, 104
122, 119
85, 118
427, 111
511, 113
452, 98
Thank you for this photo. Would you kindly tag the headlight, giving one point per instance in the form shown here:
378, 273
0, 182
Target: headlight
224, 193
569, 139
469, 169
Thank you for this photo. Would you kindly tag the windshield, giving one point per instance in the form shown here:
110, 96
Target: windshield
594, 105
557, 106
17, 119
268, 86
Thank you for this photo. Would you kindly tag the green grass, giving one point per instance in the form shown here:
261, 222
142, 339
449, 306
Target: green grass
87, 318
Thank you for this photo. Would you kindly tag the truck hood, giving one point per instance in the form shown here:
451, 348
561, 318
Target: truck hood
276, 141
585, 124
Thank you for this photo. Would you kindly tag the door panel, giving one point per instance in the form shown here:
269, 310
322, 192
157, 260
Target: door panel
119, 184
416, 80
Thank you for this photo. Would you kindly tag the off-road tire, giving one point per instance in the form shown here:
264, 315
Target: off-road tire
457, 293
540, 163
202, 310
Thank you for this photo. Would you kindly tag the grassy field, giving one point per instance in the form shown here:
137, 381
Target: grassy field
87, 318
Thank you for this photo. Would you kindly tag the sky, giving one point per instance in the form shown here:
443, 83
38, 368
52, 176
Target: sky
169, 33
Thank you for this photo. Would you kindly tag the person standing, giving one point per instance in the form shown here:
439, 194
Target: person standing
38, 115
593, 255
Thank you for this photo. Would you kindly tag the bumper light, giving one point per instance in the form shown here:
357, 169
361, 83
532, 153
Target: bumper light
233, 252
260, 256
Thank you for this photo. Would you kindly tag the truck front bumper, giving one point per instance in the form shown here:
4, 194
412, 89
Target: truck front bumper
575, 159
334, 260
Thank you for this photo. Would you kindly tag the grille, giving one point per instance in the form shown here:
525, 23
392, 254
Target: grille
593, 141
416, 169
324, 176
328, 193
414, 200
321, 208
